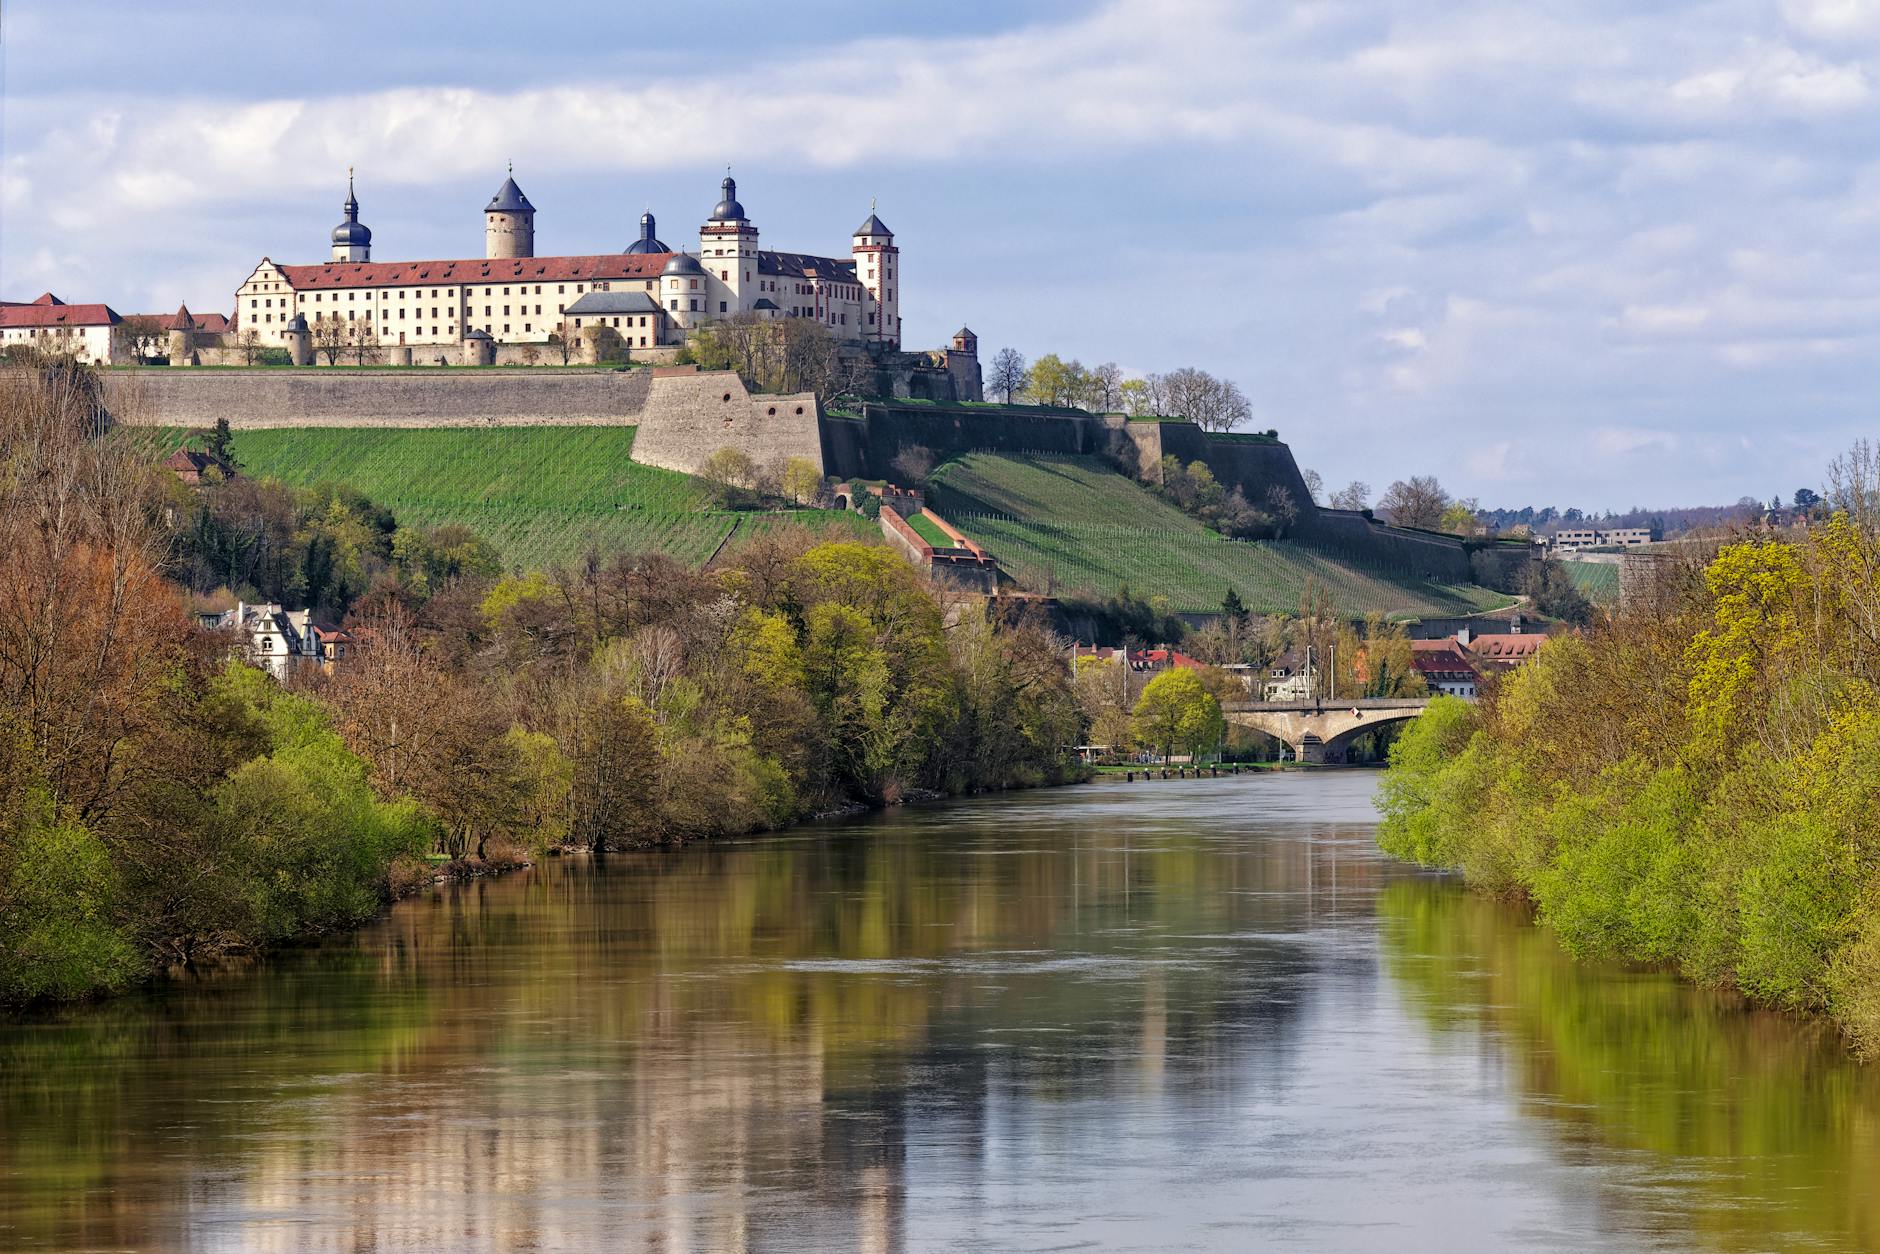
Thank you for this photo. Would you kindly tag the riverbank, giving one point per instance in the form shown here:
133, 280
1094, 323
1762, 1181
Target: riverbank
1694, 790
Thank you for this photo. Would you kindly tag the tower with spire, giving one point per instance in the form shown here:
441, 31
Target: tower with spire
509, 222
727, 248
352, 241
877, 268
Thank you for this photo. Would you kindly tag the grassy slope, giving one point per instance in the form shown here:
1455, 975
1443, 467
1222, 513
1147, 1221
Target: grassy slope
1071, 524
542, 495
1598, 580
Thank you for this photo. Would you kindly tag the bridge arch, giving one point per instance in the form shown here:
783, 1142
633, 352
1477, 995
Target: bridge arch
1322, 731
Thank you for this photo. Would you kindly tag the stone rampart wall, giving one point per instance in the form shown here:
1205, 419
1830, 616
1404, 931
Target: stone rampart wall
282, 397
688, 417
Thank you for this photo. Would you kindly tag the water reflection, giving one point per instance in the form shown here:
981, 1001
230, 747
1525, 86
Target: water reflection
1141, 1017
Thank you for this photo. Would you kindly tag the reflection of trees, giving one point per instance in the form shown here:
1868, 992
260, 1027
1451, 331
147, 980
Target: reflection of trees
1767, 1135
691, 1034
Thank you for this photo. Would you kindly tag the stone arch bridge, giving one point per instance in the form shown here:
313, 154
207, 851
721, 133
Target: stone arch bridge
1321, 731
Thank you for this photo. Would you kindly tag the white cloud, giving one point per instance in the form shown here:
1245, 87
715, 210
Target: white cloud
1465, 217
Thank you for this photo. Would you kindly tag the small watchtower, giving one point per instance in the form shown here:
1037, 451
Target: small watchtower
509, 222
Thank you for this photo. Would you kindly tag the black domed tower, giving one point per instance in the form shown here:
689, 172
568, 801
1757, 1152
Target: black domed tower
352, 240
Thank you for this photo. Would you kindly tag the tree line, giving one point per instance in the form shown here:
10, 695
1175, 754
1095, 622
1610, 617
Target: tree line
162, 802
1215, 404
1692, 782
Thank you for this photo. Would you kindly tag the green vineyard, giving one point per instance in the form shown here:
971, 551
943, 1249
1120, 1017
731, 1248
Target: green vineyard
1071, 525
1599, 581
541, 495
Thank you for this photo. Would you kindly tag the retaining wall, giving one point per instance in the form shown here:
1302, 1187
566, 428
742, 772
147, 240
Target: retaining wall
284, 397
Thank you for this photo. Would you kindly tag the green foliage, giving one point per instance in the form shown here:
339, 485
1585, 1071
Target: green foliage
1176, 710
1071, 525
62, 931
1693, 786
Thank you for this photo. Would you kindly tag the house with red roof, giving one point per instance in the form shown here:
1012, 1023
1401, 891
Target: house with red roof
1499, 652
1445, 667
91, 333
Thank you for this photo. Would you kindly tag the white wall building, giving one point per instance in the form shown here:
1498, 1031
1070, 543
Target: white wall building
516, 297
91, 333
272, 638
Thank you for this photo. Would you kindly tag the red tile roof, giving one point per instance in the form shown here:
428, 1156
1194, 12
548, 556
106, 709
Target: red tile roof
209, 322
50, 311
478, 270
1506, 646
1443, 661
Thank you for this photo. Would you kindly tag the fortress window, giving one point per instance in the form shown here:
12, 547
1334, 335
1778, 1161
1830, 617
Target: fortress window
505, 291
577, 289
505, 311
253, 303
724, 276
721, 306
694, 308
561, 289
486, 311
675, 306
577, 324
527, 327
538, 308
505, 328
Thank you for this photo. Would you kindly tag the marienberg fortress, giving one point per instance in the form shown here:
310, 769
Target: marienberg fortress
510, 312
648, 295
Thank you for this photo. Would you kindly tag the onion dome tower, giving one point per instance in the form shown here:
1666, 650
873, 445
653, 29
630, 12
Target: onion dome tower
727, 246
352, 240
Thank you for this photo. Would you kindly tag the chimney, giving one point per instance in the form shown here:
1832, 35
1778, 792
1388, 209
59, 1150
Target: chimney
1463, 636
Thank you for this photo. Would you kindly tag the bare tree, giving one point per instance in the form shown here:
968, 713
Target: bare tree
329, 337
249, 342
1106, 387
1416, 502
1008, 377
1355, 495
145, 335
1213, 404
1315, 486
562, 340
914, 463
363, 344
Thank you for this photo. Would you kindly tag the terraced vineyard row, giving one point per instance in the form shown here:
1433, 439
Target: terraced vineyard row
542, 495
1598, 580
1063, 525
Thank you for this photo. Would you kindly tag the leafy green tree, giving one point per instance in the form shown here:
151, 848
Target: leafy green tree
1176, 709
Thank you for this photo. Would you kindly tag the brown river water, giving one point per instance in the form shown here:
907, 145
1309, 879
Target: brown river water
1181, 1015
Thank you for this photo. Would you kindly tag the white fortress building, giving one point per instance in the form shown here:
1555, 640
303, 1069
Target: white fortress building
649, 294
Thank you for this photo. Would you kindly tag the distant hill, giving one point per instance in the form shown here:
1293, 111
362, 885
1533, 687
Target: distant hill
541, 495
1067, 524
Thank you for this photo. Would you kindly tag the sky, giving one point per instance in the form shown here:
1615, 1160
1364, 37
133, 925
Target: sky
1584, 254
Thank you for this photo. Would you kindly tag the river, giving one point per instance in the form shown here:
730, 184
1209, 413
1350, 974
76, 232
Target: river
1175, 1015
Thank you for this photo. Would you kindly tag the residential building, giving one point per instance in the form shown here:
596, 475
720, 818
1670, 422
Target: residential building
275, 639
1446, 668
650, 294
90, 333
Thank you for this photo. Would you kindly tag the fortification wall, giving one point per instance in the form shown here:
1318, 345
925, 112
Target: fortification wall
688, 417
281, 397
